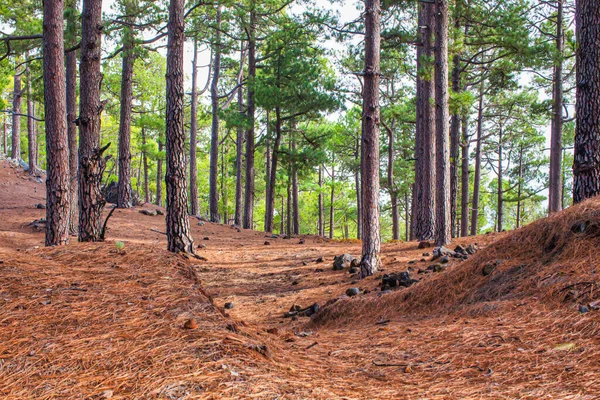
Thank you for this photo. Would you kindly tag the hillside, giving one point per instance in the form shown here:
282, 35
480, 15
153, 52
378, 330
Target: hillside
113, 321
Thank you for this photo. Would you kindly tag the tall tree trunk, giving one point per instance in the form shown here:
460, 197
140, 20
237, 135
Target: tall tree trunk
455, 151
31, 135
281, 229
5, 135
390, 182
371, 242
249, 189
554, 192
331, 204
194, 135
159, 175
500, 209
586, 168
295, 208
145, 161
464, 185
179, 237
288, 229
91, 161
417, 197
519, 186
239, 143
442, 113
477, 178
270, 201
57, 150
224, 178
124, 195
71, 82
424, 224
213, 198
358, 186
16, 118
321, 216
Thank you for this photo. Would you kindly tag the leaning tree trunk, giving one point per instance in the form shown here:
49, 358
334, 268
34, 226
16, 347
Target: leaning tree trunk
124, 195
586, 168
16, 118
371, 242
71, 71
31, 136
179, 237
213, 197
194, 135
424, 224
249, 187
239, 143
464, 185
555, 187
57, 150
91, 162
442, 114
477, 178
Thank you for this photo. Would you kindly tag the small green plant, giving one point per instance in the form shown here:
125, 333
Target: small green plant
119, 246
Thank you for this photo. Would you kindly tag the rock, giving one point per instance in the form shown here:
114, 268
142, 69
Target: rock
489, 268
411, 262
460, 250
159, 212
295, 308
353, 270
436, 268
442, 251
200, 223
319, 260
342, 262
354, 263
312, 310
352, 292
424, 245
471, 249
301, 241
201, 246
267, 243
150, 213
583, 309
295, 283
190, 324
206, 238
445, 260
594, 305
401, 279
319, 270
579, 227
229, 305
40, 206
426, 254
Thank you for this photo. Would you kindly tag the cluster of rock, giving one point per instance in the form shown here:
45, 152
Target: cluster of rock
152, 213
346, 261
298, 311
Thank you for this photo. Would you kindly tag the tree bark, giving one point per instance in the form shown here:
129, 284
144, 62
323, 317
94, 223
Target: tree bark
358, 186
371, 242
331, 204
424, 224
519, 186
477, 178
454, 151
57, 150
500, 205
390, 182
91, 161
194, 135
239, 143
295, 208
555, 187
31, 135
270, 201
249, 187
16, 118
179, 237
321, 216
159, 175
5, 135
442, 113
145, 162
586, 168
213, 197
71, 82
464, 195
288, 229
124, 194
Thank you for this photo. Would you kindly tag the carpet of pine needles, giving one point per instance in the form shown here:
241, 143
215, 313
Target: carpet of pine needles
99, 321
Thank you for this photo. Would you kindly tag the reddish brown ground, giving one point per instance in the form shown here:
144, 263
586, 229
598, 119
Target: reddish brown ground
92, 321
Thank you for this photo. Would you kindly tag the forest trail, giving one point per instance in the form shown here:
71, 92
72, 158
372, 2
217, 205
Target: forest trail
96, 321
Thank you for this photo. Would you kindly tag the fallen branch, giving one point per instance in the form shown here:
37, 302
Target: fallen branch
157, 231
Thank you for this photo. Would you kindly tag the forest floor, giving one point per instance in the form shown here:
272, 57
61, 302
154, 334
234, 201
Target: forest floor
96, 321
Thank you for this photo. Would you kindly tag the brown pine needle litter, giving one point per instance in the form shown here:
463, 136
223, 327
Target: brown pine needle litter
131, 321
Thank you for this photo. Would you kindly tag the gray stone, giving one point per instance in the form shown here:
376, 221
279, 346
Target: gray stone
353, 292
342, 262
